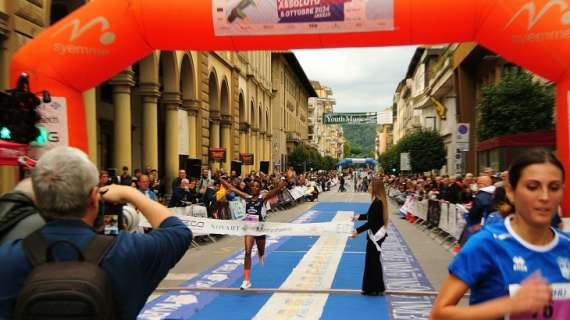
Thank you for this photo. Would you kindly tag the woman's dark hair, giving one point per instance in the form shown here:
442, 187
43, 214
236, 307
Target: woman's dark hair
501, 202
499, 196
529, 158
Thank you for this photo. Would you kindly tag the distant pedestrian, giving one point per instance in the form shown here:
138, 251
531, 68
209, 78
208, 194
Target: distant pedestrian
341, 187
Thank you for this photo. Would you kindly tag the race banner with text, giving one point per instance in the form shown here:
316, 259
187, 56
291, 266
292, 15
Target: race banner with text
350, 118
267, 17
241, 228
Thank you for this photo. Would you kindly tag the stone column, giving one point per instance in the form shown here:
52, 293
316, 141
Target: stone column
8, 174
5, 58
253, 149
226, 141
268, 151
122, 146
249, 145
260, 142
150, 93
243, 132
172, 102
193, 107
90, 102
215, 135
243, 136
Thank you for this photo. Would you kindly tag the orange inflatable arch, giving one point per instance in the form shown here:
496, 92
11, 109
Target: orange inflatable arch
113, 34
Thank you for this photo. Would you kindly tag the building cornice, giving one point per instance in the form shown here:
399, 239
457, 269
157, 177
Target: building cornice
4, 27
32, 11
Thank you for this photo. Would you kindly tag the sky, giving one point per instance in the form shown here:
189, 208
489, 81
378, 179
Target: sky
362, 79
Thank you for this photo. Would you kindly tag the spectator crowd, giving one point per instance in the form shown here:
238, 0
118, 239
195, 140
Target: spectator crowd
484, 196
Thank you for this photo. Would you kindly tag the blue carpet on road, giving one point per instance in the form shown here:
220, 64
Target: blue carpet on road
280, 260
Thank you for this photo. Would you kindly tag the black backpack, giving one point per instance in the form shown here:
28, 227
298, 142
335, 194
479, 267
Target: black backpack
14, 207
78, 289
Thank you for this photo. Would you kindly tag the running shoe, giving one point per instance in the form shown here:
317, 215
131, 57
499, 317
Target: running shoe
245, 285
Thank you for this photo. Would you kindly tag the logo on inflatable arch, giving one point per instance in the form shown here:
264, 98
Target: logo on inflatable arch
106, 38
535, 16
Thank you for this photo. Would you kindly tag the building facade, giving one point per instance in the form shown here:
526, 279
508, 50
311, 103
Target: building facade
291, 93
474, 67
384, 137
328, 139
442, 89
171, 105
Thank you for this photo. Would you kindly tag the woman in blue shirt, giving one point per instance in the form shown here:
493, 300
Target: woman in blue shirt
520, 268
501, 205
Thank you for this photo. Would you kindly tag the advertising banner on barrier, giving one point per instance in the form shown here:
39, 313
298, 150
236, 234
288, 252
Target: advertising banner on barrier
296, 193
241, 228
267, 17
237, 208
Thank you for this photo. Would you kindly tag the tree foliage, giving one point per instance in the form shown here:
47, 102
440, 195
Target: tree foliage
426, 148
304, 158
516, 104
361, 138
355, 150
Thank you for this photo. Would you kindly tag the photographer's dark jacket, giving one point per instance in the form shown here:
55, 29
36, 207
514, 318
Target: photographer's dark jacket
19, 217
135, 264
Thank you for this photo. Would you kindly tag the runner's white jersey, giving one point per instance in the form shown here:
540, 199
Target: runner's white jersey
496, 260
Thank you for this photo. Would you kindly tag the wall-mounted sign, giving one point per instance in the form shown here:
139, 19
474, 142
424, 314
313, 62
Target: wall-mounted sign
217, 153
350, 118
463, 131
246, 158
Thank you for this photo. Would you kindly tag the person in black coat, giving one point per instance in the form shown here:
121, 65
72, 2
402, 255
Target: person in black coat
376, 226
341, 188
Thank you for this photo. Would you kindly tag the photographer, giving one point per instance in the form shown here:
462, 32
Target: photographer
65, 187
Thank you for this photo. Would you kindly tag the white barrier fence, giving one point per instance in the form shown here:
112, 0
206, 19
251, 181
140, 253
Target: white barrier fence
447, 217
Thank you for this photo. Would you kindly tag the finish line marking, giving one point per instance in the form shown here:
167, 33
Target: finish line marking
316, 270
300, 291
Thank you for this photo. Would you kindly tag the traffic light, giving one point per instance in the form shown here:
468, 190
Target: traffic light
19, 115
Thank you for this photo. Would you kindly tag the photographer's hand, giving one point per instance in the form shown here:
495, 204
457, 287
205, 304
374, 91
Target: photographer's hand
114, 193
153, 211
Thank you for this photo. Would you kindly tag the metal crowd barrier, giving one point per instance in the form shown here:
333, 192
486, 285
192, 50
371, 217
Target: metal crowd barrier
443, 220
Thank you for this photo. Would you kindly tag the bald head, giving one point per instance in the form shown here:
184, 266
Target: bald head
484, 181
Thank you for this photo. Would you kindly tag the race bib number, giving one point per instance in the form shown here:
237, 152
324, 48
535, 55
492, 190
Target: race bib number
559, 308
251, 218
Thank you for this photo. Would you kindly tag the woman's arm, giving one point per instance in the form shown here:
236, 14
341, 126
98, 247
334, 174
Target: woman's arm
371, 217
533, 296
274, 191
385, 212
